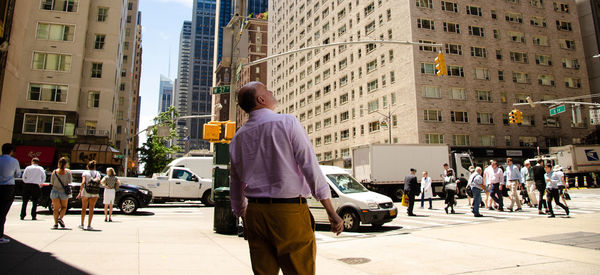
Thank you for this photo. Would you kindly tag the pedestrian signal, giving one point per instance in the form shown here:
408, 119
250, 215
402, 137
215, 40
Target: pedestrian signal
229, 130
211, 131
440, 65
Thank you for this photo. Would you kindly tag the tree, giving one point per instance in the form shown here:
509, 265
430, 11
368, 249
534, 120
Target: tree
155, 152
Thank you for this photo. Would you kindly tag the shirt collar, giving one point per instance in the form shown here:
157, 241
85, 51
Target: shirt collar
260, 112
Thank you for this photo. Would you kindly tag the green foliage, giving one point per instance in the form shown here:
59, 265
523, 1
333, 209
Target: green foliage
154, 153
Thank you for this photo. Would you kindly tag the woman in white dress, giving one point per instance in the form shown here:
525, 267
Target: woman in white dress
426, 191
111, 184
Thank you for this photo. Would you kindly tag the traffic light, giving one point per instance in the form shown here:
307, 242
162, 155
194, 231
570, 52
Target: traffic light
511, 117
518, 116
440, 65
229, 130
211, 132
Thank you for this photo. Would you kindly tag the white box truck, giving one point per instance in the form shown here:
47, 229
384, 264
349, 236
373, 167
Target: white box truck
581, 162
382, 167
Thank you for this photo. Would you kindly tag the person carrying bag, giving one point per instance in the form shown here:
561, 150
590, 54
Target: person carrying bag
89, 193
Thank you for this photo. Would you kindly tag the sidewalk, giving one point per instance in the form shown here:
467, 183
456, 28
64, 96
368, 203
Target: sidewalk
149, 245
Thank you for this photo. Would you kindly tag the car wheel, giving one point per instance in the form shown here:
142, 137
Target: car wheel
398, 193
128, 205
207, 198
351, 221
462, 192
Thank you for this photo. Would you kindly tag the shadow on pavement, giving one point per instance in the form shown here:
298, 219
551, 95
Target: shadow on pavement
363, 229
179, 205
98, 212
18, 258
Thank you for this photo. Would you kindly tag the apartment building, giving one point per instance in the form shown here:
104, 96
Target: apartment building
129, 87
497, 54
7, 101
68, 58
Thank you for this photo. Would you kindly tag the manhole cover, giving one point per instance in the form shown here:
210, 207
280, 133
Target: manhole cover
354, 260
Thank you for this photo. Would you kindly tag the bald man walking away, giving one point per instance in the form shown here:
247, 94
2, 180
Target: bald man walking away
273, 170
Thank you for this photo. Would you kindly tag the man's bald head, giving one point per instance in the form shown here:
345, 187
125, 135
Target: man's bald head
254, 95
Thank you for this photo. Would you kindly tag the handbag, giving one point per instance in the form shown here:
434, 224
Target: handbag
67, 188
404, 200
566, 195
93, 186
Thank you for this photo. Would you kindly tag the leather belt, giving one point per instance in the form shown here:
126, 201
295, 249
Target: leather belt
298, 200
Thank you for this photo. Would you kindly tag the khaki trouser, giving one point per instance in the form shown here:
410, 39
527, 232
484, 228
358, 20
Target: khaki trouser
531, 191
514, 193
280, 236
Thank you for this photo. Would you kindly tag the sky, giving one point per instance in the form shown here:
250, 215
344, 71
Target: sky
161, 26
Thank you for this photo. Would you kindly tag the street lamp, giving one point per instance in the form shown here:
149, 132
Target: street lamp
388, 118
129, 138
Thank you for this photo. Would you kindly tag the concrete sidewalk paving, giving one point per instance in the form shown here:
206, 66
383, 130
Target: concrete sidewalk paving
176, 245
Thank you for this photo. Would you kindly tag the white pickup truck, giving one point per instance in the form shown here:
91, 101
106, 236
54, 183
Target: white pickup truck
176, 184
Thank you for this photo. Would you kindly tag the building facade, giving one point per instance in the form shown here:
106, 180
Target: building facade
129, 88
183, 83
497, 54
66, 78
165, 94
7, 100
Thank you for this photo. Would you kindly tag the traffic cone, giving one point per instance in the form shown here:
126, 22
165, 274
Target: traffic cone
577, 182
567, 181
585, 181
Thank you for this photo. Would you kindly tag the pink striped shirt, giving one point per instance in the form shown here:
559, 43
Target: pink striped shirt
271, 157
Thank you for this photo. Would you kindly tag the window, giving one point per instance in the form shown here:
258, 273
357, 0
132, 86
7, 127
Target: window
93, 99
570, 63
459, 116
567, 44
538, 21
449, 6
482, 73
456, 71
451, 27
458, 94
476, 31
427, 48
60, 5
51, 62
342, 30
432, 91
373, 126
520, 77
425, 24
461, 140
344, 116
369, 28
425, 3
496, 34
343, 98
528, 142
485, 118
428, 68
518, 37
571, 82
43, 124
392, 77
371, 66
478, 52
473, 10
514, 17
563, 25
389, 15
327, 122
507, 139
434, 139
551, 122
370, 8
519, 57
99, 41
326, 106
370, 47
432, 115
487, 140
327, 139
536, 3
96, 70
102, 14
47, 92
484, 95
546, 80
55, 32
372, 86
500, 75
540, 40
345, 134
373, 105
453, 49
543, 60
561, 7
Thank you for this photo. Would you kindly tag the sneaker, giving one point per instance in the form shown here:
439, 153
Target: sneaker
34, 219
490, 208
4, 240
81, 227
551, 216
22, 218
519, 209
501, 209
478, 216
567, 211
55, 226
510, 209
452, 212
541, 212
62, 224
90, 228
446, 208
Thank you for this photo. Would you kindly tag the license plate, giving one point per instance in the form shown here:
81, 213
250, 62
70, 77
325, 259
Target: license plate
393, 212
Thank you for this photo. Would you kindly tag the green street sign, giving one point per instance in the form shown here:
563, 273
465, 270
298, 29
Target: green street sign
220, 90
557, 110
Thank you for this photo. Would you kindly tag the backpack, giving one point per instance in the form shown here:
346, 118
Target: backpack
93, 185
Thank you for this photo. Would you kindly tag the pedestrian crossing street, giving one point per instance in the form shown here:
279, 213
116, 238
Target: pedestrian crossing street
437, 218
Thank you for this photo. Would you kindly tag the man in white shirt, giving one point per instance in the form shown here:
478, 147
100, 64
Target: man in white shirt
33, 178
496, 179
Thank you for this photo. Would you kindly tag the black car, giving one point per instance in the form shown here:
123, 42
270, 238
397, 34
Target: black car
128, 197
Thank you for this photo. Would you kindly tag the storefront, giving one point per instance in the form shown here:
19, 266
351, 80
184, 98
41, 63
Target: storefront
45, 154
104, 155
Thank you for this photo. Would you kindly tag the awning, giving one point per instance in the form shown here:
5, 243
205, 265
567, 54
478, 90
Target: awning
102, 154
25, 153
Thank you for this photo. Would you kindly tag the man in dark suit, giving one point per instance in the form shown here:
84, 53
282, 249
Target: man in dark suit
540, 184
411, 189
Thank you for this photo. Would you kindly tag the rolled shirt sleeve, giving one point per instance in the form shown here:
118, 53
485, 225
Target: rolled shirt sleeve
307, 161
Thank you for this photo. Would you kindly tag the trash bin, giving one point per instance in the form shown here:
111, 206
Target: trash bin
225, 222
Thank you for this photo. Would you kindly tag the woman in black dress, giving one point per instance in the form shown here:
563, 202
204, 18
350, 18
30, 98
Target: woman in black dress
450, 190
